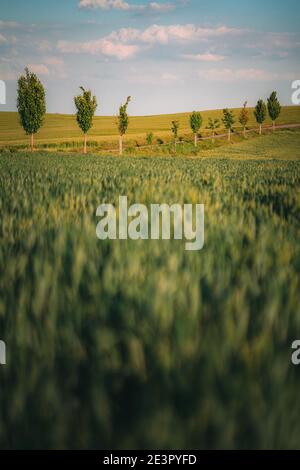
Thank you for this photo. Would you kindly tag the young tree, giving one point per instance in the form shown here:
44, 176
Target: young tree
213, 125
260, 113
123, 121
86, 105
228, 121
195, 123
149, 138
244, 117
174, 128
31, 104
274, 108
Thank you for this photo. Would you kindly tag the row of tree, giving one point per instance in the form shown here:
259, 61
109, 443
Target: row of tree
273, 108
31, 103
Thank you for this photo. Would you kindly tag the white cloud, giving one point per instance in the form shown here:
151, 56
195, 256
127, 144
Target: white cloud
103, 46
55, 61
44, 46
156, 34
8, 75
7, 39
8, 24
105, 4
127, 42
161, 7
235, 75
169, 77
125, 6
273, 41
163, 79
3, 40
39, 69
207, 57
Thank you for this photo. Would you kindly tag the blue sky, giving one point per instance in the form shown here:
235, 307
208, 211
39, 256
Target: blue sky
169, 55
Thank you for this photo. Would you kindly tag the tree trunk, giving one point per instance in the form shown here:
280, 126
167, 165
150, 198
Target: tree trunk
120, 145
244, 131
260, 129
175, 145
31, 142
195, 140
213, 138
84, 147
229, 135
273, 126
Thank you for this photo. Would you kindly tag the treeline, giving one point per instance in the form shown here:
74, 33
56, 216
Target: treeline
31, 104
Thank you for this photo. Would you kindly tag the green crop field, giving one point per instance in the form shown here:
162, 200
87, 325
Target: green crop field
60, 129
141, 344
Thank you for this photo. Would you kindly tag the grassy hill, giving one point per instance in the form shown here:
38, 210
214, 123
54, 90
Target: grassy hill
60, 128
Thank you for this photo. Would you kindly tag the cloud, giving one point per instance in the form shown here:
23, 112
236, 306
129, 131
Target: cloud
8, 24
39, 69
3, 40
156, 34
244, 74
125, 6
162, 79
125, 43
44, 46
103, 46
271, 40
8, 75
105, 4
207, 57
161, 7
56, 66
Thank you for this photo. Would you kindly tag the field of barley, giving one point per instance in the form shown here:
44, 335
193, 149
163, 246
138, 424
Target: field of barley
141, 344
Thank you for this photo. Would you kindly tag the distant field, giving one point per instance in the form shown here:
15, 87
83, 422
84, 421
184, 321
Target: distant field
63, 128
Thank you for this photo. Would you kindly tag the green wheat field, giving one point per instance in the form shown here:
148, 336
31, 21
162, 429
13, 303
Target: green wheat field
141, 344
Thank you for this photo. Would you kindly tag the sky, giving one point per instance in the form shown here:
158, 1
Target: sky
169, 55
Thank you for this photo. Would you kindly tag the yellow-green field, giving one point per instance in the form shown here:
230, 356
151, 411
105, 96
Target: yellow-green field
59, 128
123, 344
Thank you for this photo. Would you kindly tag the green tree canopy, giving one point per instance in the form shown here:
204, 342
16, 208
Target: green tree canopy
228, 119
123, 122
195, 121
213, 124
123, 119
260, 112
174, 128
86, 106
149, 138
274, 107
244, 116
31, 103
